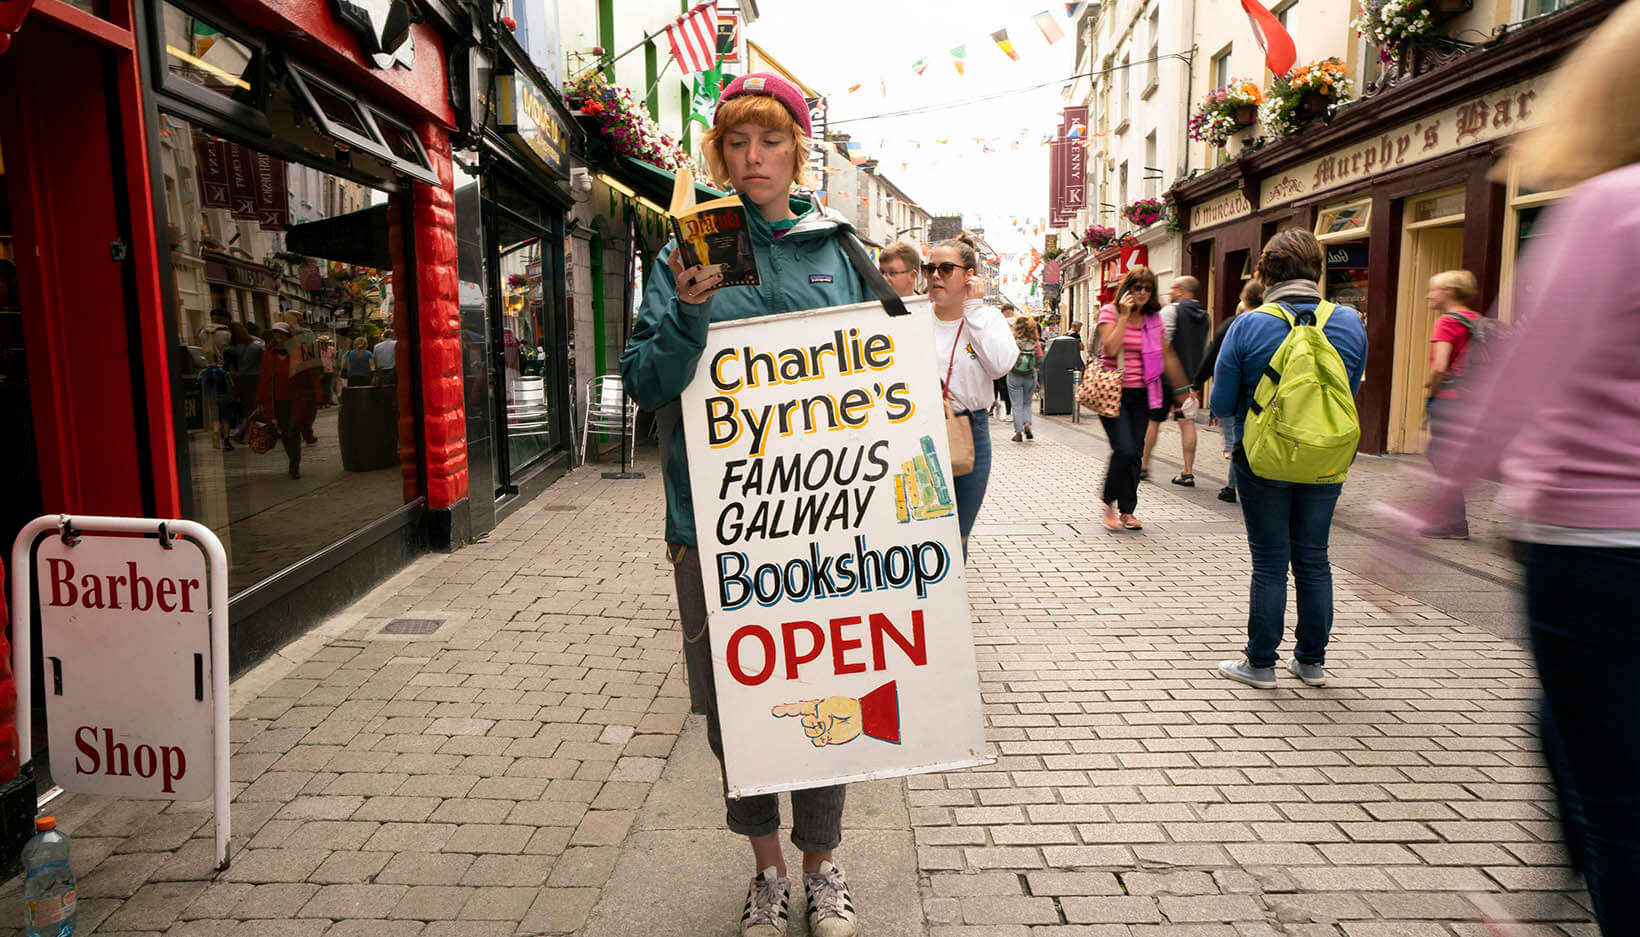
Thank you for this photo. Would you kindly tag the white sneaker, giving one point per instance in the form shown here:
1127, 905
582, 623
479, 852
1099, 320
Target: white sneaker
768, 904
831, 909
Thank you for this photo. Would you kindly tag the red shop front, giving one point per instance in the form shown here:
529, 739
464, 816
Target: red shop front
1114, 263
207, 212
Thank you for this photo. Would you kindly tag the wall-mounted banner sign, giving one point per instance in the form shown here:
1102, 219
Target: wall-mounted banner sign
827, 529
525, 114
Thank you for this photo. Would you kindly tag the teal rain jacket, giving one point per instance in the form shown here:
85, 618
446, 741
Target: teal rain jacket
805, 269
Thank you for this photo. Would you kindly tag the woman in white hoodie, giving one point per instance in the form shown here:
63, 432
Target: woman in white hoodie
972, 348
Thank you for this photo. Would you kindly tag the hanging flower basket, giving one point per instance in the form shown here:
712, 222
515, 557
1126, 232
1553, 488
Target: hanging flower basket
1392, 24
1144, 212
622, 123
1307, 94
1225, 111
1098, 237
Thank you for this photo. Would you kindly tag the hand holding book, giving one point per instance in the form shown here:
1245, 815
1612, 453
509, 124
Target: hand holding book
715, 235
695, 284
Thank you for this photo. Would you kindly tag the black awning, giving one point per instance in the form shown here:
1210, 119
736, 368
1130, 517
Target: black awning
359, 238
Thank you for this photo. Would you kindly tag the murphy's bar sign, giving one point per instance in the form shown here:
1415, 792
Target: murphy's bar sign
1485, 117
524, 113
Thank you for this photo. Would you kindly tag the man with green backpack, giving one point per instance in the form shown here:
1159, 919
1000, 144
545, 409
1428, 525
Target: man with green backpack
1289, 371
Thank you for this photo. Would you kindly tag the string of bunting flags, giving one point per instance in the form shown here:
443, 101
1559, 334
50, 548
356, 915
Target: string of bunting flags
1045, 22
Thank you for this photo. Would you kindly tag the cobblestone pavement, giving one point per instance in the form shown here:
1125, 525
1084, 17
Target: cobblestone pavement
484, 779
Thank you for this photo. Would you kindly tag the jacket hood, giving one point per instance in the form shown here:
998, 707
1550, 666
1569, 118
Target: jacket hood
817, 220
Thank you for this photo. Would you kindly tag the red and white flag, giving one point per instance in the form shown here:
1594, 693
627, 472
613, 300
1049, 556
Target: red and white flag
1279, 51
694, 39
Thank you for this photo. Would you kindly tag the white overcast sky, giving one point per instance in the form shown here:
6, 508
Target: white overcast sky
833, 44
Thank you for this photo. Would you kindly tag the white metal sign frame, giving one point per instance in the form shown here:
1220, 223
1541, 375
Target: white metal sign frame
168, 531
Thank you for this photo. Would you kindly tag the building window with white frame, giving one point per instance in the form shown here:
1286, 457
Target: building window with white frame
1287, 15
1126, 91
1152, 175
1152, 77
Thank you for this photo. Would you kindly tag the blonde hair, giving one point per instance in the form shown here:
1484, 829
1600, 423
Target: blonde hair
903, 251
1461, 283
1571, 145
765, 112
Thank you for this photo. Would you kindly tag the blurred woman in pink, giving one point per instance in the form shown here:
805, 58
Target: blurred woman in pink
1558, 418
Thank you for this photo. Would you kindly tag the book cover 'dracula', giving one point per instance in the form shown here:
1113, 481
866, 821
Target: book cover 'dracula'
715, 232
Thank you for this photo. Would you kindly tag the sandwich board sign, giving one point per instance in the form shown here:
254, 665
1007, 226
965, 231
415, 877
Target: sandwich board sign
826, 522
133, 632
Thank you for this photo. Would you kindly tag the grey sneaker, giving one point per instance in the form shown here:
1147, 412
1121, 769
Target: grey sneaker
1243, 672
768, 904
1313, 674
831, 909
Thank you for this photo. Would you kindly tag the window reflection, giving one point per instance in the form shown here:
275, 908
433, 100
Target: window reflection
527, 345
270, 327
201, 53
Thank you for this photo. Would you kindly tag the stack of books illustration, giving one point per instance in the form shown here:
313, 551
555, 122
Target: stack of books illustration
920, 490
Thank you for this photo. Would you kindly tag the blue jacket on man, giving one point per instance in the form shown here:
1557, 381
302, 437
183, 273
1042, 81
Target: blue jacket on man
1253, 339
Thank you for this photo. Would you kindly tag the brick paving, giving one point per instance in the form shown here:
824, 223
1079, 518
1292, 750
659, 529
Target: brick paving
484, 779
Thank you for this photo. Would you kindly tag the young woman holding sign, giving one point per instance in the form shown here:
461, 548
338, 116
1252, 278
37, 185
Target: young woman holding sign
972, 348
758, 144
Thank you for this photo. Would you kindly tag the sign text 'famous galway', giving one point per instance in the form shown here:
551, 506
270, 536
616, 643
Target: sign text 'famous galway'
826, 522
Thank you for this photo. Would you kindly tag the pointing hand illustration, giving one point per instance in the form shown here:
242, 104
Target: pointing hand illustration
838, 720
834, 720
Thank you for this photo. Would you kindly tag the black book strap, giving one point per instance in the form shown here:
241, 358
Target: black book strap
868, 272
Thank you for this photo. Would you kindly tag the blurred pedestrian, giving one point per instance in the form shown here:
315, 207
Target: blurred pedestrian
243, 362
1252, 296
1451, 296
1131, 337
973, 346
1288, 523
898, 263
1558, 417
216, 393
359, 364
327, 358
288, 394
1187, 327
1021, 379
999, 387
758, 145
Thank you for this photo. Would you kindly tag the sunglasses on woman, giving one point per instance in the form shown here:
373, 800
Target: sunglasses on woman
944, 269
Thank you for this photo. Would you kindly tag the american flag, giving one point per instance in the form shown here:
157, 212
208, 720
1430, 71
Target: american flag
694, 39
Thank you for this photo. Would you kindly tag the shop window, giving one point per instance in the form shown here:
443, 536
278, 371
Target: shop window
205, 63
409, 157
1343, 222
1521, 225
249, 258
1439, 208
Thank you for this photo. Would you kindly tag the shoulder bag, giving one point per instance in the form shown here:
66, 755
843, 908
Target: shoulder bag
959, 431
1101, 387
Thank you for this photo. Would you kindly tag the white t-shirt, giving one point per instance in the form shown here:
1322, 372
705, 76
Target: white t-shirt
384, 353
988, 352
1170, 321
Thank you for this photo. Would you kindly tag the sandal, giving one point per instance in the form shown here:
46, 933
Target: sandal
1185, 480
1144, 474
1129, 522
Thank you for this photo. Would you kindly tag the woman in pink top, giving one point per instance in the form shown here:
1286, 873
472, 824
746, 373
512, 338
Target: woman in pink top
1559, 418
1132, 328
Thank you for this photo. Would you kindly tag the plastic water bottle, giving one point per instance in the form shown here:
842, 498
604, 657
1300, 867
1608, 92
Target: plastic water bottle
48, 886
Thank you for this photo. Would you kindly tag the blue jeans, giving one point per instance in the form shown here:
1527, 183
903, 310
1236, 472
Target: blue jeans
1020, 388
1580, 605
970, 488
1287, 524
1441, 414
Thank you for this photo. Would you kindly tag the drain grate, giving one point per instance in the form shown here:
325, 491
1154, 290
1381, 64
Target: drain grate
561, 507
412, 626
